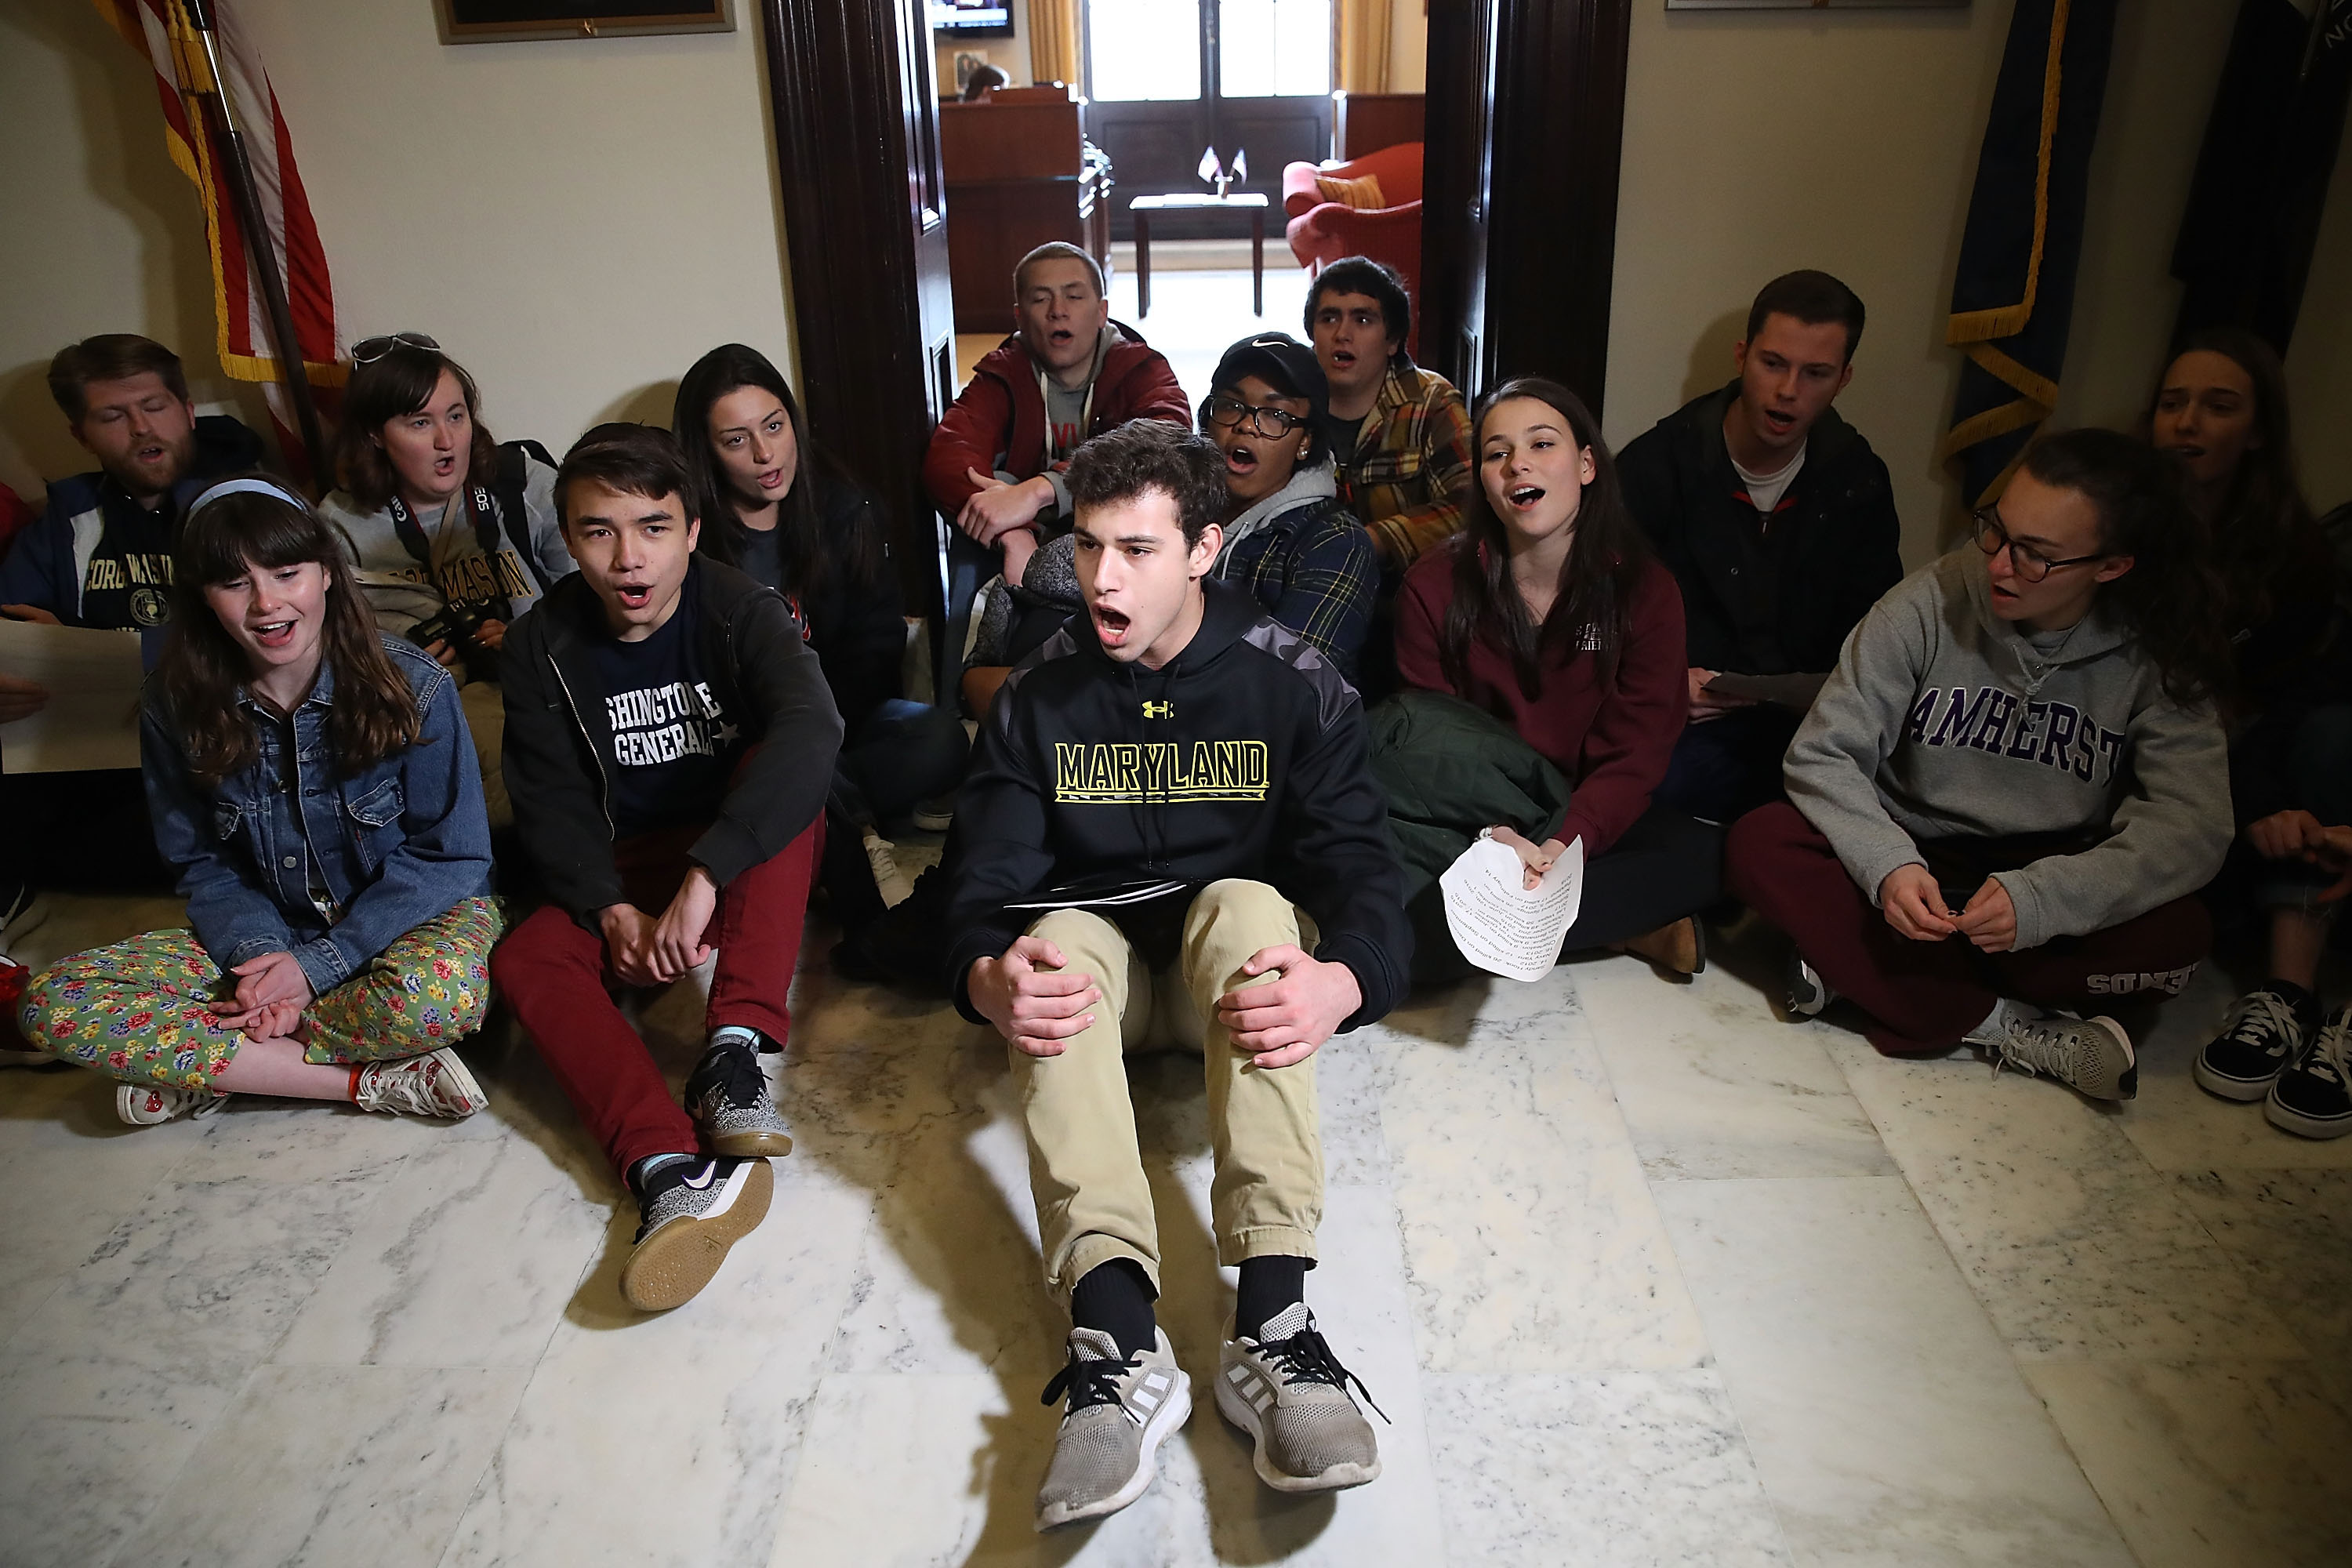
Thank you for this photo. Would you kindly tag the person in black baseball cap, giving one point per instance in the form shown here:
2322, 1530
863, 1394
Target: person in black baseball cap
1288, 537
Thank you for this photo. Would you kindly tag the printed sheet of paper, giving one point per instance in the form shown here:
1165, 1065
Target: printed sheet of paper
91, 720
1499, 923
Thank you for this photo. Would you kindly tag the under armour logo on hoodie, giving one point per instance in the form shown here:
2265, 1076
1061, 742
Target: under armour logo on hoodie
1159, 709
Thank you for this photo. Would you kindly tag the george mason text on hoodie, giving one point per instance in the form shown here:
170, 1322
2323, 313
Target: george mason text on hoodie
1942, 720
1245, 756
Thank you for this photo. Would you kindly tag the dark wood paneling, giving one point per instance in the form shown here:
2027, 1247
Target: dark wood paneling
1521, 169
1365, 122
866, 231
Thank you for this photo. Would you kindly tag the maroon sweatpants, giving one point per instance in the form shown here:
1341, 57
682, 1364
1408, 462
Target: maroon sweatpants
554, 975
1924, 996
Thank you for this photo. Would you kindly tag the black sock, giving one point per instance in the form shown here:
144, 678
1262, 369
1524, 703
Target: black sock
1268, 1285
1116, 1297
2305, 1004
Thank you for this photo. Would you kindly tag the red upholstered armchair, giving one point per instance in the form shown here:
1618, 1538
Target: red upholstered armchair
1321, 232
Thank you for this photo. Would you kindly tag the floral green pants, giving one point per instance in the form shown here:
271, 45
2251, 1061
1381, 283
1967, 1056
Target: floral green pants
142, 1010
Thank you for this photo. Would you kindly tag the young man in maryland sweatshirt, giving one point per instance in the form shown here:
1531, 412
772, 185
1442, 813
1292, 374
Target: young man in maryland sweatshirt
2013, 781
1171, 787
669, 744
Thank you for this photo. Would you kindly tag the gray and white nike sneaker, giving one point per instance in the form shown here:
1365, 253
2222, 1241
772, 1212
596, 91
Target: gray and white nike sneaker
1120, 1410
728, 1096
2092, 1055
690, 1213
1289, 1393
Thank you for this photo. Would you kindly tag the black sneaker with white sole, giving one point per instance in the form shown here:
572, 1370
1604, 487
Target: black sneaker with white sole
1803, 992
2312, 1098
690, 1212
2262, 1035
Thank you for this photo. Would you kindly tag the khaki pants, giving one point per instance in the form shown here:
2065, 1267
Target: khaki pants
486, 718
1085, 1169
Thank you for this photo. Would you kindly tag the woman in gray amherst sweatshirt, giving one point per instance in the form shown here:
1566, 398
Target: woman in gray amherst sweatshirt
2013, 782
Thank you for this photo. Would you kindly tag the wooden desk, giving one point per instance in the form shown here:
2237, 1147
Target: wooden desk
1017, 176
1184, 201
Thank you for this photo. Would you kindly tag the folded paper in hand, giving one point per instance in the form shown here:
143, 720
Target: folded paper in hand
1500, 924
92, 719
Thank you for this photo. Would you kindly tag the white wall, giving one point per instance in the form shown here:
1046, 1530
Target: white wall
575, 221
1758, 141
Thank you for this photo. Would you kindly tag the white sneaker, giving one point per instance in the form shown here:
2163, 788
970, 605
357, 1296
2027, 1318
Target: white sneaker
435, 1084
893, 883
1120, 1411
2092, 1056
151, 1105
1289, 1393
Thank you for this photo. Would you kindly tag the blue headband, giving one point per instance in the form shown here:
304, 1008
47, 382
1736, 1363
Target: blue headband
253, 487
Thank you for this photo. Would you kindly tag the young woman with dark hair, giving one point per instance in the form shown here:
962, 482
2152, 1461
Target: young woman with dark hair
2014, 783
313, 782
775, 506
450, 534
1549, 613
2220, 410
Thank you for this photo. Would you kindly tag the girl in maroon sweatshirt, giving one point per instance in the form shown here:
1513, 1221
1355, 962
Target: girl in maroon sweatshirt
1549, 612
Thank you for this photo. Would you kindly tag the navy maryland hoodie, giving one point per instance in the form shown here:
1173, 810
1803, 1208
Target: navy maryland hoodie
1245, 756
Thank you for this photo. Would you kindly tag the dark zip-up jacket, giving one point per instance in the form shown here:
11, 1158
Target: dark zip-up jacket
1245, 756
559, 741
1764, 598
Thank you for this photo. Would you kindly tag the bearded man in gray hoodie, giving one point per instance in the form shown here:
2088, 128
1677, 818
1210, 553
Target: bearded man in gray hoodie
2013, 783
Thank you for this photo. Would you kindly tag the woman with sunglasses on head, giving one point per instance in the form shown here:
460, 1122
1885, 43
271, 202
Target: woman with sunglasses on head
2014, 783
2221, 411
314, 783
451, 534
773, 505
1549, 612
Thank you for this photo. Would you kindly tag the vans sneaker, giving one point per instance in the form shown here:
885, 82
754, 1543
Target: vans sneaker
152, 1105
2312, 1097
2092, 1055
1289, 1393
1120, 1410
2243, 1060
692, 1212
729, 1098
435, 1084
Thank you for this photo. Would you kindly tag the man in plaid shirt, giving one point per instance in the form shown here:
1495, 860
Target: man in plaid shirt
1399, 433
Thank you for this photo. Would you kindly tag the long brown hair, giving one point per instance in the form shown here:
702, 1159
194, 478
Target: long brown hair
203, 670
1606, 557
399, 383
2265, 527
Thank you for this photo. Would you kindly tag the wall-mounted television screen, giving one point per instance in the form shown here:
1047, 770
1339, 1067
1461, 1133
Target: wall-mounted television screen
973, 19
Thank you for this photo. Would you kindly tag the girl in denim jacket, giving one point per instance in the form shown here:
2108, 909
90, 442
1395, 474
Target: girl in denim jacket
315, 785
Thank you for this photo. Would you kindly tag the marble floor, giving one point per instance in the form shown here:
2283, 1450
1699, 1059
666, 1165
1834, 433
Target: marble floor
1639, 1275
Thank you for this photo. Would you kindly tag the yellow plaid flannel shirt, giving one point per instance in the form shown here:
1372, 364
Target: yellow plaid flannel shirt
1411, 472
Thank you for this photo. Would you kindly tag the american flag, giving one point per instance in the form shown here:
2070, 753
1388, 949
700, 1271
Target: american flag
164, 32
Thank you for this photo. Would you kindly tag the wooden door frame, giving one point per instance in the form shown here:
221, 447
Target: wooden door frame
1554, 140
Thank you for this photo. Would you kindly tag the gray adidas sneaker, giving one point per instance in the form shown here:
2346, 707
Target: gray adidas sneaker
1119, 1412
2092, 1055
728, 1096
1289, 1393
694, 1212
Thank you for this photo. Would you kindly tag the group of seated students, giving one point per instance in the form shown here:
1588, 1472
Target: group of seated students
480, 723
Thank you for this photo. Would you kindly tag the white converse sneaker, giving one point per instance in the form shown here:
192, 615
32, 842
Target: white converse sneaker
2092, 1055
1289, 1393
151, 1105
435, 1084
890, 881
1120, 1411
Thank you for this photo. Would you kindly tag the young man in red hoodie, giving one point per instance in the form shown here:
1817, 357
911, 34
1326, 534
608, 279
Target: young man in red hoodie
1068, 373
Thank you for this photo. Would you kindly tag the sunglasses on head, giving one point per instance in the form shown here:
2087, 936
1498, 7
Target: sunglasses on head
369, 349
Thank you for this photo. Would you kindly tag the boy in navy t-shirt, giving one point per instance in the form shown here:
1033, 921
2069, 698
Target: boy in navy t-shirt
669, 742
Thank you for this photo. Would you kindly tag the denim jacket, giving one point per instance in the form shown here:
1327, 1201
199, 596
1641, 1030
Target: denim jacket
387, 850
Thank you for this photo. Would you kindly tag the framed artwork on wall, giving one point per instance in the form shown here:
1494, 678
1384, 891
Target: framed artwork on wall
507, 21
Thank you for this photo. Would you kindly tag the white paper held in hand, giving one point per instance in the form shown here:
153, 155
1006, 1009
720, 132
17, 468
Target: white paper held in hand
1498, 922
92, 719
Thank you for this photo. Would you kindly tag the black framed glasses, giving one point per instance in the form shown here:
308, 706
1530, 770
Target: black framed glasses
2029, 562
1229, 412
367, 350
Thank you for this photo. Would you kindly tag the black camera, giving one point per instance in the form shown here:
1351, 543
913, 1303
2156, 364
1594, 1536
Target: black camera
458, 623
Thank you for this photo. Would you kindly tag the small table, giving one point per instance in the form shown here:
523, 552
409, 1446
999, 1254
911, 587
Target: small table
1251, 201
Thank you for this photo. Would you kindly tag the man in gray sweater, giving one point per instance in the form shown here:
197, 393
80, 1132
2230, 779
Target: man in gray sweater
2013, 782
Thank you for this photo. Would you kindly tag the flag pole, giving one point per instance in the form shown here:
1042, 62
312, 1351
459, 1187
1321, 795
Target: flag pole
260, 254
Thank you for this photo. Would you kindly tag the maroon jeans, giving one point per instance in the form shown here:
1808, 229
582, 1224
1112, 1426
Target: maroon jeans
557, 977
1924, 996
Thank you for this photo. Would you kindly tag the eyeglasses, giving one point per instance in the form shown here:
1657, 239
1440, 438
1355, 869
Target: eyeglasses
1229, 412
369, 350
2029, 562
